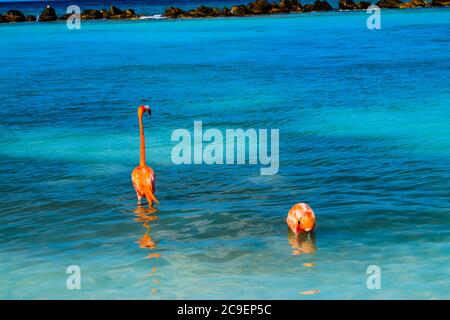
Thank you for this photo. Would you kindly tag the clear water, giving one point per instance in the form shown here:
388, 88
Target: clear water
364, 139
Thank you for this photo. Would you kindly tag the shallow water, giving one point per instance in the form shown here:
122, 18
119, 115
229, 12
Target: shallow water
363, 119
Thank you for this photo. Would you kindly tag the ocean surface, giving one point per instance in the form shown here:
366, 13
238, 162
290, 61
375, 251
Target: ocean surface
363, 117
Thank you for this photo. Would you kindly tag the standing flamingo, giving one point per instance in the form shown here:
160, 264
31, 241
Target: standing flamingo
143, 177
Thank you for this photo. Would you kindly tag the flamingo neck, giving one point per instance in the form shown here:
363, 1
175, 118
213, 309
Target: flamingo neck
142, 154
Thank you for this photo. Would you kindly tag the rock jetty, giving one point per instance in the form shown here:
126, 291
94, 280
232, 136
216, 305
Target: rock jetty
261, 7
258, 7
49, 14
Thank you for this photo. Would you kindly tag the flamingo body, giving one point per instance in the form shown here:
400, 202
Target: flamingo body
301, 218
143, 177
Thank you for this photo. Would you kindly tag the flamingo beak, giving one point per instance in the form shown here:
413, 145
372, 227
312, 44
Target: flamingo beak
147, 109
299, 228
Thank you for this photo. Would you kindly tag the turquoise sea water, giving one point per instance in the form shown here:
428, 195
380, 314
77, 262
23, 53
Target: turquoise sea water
364, 139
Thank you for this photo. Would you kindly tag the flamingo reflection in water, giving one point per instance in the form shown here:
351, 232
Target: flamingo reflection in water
302, 243
145, 216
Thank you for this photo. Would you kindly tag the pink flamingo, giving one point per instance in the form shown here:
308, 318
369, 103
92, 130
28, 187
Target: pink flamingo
143, 177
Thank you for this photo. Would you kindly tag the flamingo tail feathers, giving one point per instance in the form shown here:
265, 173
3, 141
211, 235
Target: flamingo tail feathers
149, 195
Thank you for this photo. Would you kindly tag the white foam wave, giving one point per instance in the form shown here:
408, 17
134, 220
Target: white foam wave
155, 16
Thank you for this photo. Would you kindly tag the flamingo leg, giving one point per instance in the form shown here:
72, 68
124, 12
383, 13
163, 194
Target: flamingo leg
139, 199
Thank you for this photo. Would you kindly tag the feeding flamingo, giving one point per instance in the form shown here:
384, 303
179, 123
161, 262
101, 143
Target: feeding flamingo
143, 177
301, 218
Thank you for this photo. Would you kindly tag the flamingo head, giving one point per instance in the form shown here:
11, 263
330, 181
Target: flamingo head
306, 221
143, 109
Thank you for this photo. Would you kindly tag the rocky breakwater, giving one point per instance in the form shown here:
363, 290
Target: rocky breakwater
351, 5
384, 4
440, 3
317, 6
397, 4
258, 7
14, 16
113, 13
261, 7
49, 14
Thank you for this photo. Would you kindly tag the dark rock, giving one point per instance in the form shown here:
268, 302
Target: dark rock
389, 4
204, 11
2, 19
226, 12
285, 4
259, 7
31, 18
322, 6
240, 10
277, 9
89, 14
290, 5
217, 12
351, 5
173, 12
114, 11
422, 3
308, 7
200, 12
188, 14
129, 14
48, 14
296, 6
440, 3
413, 4
363, 5
347, 5
14, 16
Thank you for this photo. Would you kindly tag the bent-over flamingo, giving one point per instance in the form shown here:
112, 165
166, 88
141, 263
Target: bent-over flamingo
301, 218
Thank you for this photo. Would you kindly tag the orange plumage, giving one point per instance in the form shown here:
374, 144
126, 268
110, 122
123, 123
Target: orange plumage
143, 177
301, 218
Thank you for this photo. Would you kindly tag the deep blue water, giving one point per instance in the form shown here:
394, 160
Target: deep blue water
364, 139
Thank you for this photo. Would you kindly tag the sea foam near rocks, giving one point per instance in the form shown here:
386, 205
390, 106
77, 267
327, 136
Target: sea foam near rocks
155, 17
